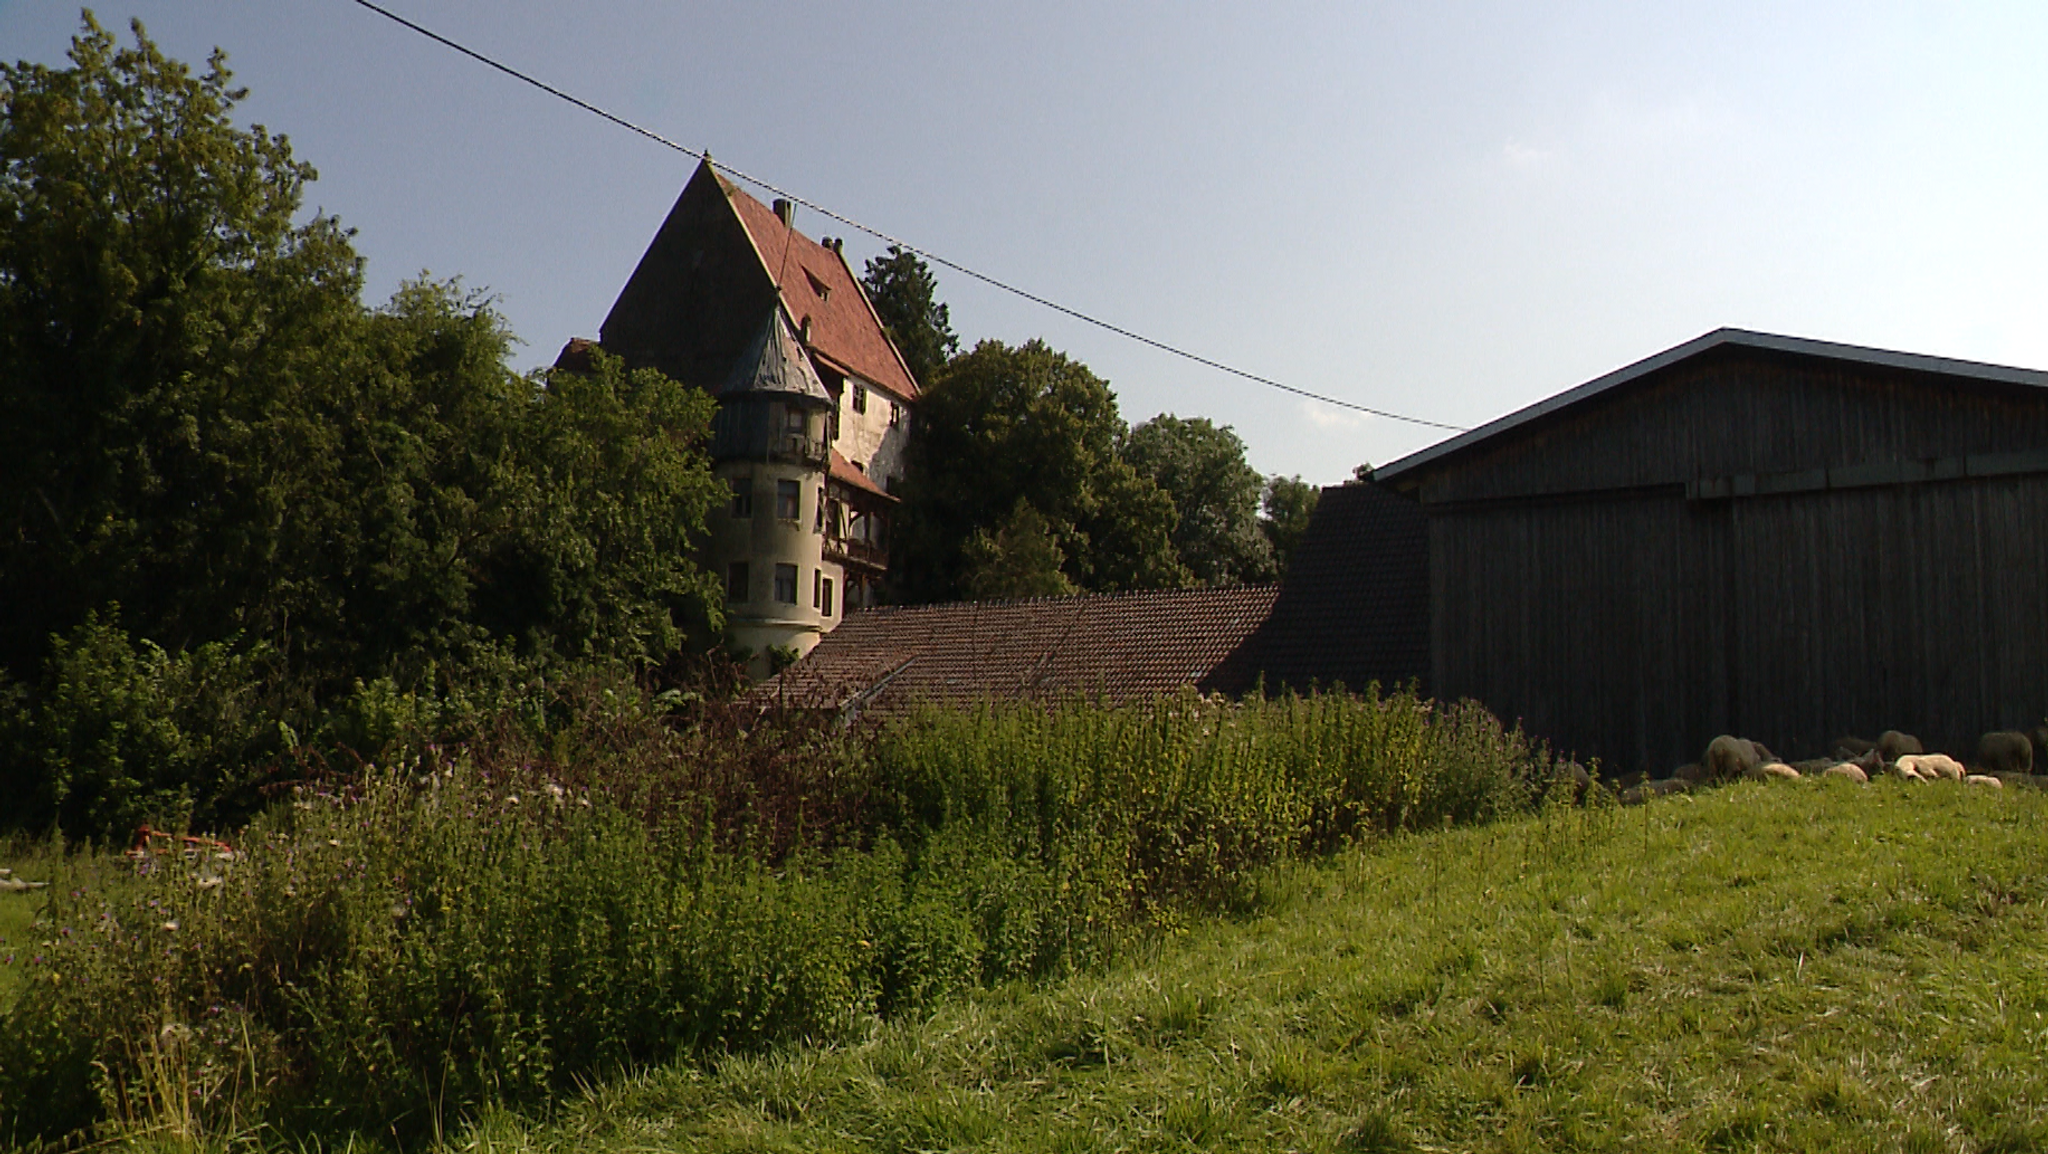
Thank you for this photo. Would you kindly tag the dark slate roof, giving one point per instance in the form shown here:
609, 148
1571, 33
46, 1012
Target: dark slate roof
773, 364
1122, 646
1354, 606
1741, 338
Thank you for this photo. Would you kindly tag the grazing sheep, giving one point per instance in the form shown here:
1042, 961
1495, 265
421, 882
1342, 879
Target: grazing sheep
2005, 751
1637, 795
1851, 748
1691, 773
1894, 745
1933, 766
1847, 769
1572, 782
1984, 779
1728, 758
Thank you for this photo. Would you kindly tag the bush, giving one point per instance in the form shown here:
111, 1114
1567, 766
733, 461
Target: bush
124, 733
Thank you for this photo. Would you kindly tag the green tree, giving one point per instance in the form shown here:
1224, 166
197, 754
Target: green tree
1286, 507
1022, 558
159, 304
214, 458
1008, 423
1215, 495
905, 296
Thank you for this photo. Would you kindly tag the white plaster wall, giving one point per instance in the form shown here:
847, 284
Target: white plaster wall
870, 439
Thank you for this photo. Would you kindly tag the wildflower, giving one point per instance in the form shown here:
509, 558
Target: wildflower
171, 927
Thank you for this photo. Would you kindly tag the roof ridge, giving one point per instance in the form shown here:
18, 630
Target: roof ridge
1705, 342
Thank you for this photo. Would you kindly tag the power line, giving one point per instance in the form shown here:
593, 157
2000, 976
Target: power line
885, 238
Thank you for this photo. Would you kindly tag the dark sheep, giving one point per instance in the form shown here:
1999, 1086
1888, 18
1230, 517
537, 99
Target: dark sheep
2005, 751
1851, 748
1728, 758
1894, 745
1637, 795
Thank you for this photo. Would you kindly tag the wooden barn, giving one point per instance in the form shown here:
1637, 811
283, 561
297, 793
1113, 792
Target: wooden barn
1786, 539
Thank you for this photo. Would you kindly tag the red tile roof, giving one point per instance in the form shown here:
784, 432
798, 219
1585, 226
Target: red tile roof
817, 284
843, 472
1123, 646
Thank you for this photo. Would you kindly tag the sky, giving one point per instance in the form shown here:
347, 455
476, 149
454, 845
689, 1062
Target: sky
1447, 210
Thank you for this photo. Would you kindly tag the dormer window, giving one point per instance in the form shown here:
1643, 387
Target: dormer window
819, 287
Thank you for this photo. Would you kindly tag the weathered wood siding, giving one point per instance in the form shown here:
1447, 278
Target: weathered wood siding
1580, 580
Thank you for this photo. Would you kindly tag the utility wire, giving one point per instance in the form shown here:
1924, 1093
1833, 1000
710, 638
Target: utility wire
885, 238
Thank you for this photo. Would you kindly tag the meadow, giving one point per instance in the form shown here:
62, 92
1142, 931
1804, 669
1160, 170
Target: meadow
1794, 967
395, 949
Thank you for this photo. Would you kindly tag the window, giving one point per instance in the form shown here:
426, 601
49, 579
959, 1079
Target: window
828, 597
860, 398
742, 495
819, 526
736, 581
817, 588
785, 584
895, 413
793, 419
788, 500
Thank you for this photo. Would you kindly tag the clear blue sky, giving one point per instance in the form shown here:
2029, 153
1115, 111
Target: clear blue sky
1449, 209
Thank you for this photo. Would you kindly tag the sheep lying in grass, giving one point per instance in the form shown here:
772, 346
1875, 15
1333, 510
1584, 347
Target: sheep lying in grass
1847, 769
1984, 779
1773, 770
1932, 766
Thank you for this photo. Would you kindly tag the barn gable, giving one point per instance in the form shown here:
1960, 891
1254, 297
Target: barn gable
1786, 539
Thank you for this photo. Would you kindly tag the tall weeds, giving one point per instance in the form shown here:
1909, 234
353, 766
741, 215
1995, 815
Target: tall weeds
498, 922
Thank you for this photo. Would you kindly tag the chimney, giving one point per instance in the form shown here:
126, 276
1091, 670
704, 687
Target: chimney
785, 212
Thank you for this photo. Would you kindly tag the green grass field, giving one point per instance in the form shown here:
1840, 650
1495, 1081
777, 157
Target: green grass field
1802, 967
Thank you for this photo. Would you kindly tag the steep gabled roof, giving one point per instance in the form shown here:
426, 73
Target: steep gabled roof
1123, 646
719, 263
817, 285
1699, 346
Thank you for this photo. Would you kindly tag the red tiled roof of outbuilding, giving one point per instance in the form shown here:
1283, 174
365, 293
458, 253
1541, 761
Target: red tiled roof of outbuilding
818, 285
1121, 646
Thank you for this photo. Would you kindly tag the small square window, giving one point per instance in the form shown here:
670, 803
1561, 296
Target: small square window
788, 500
736, 581
828, 597
785, 584
742, 495
793, 419
860, 398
